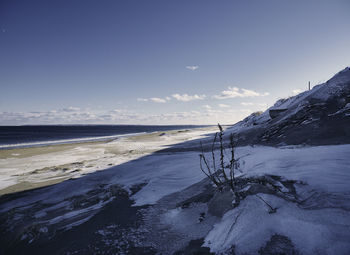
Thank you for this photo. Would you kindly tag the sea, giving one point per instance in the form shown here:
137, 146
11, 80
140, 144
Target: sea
31, 136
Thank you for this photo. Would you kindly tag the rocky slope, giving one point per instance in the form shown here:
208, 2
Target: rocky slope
317, 117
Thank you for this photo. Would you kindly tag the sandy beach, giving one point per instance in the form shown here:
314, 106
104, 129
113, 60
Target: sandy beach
33, 167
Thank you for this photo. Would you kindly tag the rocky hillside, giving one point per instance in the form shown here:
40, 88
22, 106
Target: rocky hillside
316, 117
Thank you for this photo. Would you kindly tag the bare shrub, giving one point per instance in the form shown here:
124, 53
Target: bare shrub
220, 174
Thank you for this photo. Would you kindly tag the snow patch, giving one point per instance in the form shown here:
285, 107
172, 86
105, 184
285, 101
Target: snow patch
250, 226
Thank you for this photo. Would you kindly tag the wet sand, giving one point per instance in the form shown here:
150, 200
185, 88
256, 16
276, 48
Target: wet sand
40, 150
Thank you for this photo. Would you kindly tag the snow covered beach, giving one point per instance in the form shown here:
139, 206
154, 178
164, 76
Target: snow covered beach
165, 181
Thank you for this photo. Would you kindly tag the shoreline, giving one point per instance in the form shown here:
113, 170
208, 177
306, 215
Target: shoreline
34, 167
61, 142
87, 139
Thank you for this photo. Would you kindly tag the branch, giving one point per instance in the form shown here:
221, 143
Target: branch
272, 210
222, 154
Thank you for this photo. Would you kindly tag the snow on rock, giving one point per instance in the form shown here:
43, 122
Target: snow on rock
337, 88
345, 110
324, 91
334, 86
322, 167
317, 225
250, 226
170, 173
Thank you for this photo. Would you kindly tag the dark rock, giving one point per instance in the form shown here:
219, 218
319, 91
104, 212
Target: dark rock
201, 217
278, 245
137, 187
221, 203
195, 248
203, 197
276, 112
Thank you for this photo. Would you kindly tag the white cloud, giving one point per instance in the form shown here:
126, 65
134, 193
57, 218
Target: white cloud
124, 116
192, 68
233, 92
154, 99
257, 106
223, 105
187, 98
71, 109
207, 106
157, 100
296, 91
70, 115
247, 103
118, 111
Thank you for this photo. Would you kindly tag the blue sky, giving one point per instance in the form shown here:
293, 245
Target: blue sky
163, 62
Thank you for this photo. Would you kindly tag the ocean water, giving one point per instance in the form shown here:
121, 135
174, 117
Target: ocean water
28, 136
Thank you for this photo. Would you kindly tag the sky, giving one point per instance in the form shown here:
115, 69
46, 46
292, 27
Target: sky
163, 62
